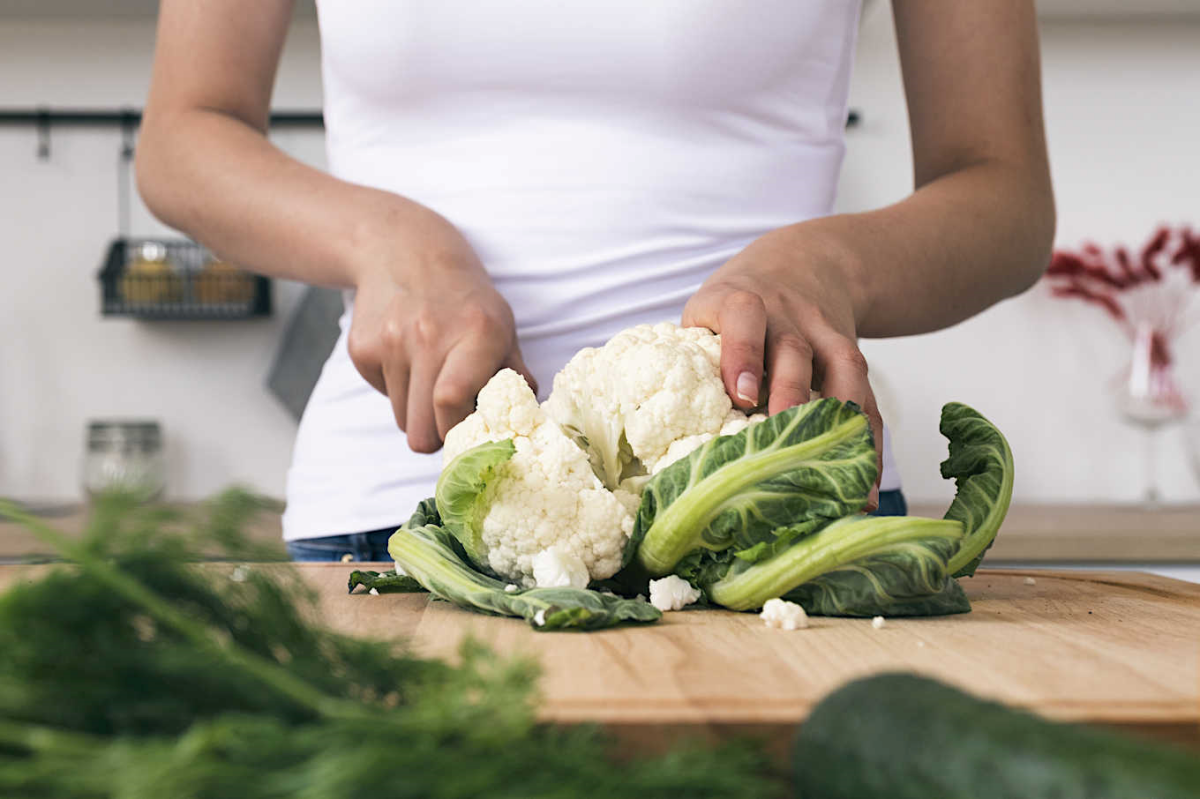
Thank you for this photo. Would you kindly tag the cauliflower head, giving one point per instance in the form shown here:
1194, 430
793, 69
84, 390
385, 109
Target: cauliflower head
562, 497
542, 495
648, 397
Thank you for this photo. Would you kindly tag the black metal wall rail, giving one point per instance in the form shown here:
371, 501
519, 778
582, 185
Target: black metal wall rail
45, 118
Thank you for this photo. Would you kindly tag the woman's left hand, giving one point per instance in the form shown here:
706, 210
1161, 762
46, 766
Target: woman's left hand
786, 309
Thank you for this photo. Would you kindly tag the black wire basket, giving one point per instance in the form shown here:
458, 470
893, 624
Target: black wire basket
178, 279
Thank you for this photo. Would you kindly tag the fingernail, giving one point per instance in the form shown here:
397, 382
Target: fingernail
747, 388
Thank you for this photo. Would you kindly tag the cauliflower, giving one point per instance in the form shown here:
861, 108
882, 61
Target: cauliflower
648, 397
561, 504
783, 615
672, 593
546, 495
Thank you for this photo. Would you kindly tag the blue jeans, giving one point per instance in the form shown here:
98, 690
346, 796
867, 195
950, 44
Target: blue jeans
372, 546
891, 503
365, 547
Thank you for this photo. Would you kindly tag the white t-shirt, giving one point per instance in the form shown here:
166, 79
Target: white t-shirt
601, 156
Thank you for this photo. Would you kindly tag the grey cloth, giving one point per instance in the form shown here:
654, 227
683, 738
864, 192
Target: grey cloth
309, 338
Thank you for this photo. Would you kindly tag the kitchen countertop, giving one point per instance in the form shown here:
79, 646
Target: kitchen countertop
1032, 533
1110, 649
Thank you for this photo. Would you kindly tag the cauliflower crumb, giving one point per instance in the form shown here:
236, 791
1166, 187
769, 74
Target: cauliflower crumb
780, 614
672, 593
1030, 581
374, 592
400, 570
539, 618
347, 558
559, 567
878, 622
510, 588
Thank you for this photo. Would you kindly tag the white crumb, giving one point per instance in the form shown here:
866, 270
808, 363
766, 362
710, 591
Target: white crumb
374, 592
347, 558
510, 588
1030, 581
400, 570
672, 593
539, 618
780, 614
878, 622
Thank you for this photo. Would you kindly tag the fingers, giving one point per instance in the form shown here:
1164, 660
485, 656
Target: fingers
421, 425
366, 355
468, 366
742, 323
789, 371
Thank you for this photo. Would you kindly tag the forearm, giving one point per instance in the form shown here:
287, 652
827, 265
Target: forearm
959, 244
221, 181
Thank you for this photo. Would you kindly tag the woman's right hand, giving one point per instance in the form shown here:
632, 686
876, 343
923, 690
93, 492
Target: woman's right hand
429, 329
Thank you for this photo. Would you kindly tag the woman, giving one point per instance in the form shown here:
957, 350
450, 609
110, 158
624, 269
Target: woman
510, 182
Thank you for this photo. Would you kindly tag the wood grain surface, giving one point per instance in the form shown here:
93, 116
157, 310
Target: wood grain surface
1119, 649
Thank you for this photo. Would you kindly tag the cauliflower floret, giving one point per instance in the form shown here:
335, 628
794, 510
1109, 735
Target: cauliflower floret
558, 567
783, 615
672, 593
546, 495
649, 388
735, 422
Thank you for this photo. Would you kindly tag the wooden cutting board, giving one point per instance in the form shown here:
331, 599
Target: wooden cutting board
1120, 649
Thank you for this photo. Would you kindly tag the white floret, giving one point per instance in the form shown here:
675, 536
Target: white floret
783, 615
374, 592
735, 422
511, 588
651, 385
539, 618
672, 593
546, 495
558, 567
878, 622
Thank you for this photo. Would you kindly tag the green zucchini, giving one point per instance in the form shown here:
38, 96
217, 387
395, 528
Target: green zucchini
901, 736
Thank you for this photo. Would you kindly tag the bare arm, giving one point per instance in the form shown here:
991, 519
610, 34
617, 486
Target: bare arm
206, 167
429, 329
978, 228
980, 225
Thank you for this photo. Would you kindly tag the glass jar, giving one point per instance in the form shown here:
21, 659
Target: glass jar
126, 457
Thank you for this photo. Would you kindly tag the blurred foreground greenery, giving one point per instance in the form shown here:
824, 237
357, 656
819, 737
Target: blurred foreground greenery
130, 672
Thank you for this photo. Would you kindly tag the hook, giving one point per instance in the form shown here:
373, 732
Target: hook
128, 123
43, 133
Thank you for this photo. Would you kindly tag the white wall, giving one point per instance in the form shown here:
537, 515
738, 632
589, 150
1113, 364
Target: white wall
1122, 119
60, 362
